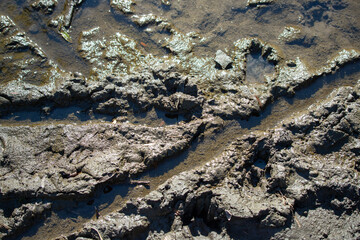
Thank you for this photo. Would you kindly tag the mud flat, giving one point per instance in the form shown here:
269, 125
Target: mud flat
176, 120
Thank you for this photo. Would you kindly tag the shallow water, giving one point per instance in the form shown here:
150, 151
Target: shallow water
326, 28
257, 68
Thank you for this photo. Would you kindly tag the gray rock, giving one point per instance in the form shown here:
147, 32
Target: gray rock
222, 59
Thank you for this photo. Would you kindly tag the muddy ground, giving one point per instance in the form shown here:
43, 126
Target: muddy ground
132, 119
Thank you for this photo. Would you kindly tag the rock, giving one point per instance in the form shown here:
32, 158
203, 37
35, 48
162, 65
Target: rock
223, 60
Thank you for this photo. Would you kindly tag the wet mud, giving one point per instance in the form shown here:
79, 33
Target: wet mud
132, 119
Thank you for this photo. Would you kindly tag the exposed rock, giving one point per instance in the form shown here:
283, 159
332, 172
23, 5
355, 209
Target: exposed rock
222, 59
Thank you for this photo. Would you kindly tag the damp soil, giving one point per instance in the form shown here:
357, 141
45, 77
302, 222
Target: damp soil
326, 27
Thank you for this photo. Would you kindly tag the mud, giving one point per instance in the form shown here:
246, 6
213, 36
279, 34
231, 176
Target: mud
179, 120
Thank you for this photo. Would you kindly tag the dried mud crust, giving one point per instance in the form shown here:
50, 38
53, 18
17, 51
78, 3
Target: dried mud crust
272, 184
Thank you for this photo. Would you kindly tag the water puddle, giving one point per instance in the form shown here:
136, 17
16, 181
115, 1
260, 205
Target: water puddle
257, 68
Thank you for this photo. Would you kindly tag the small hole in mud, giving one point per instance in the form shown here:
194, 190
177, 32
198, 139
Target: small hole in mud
107, 189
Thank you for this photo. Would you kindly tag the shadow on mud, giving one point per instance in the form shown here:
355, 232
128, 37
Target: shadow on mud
82, 113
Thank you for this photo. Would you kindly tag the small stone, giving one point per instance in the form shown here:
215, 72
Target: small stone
222, 59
